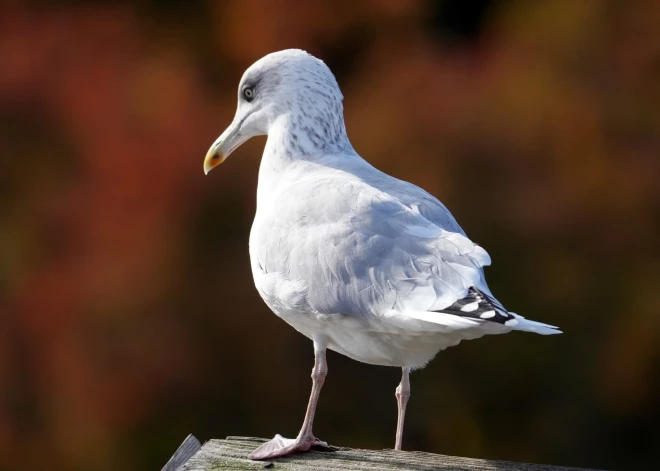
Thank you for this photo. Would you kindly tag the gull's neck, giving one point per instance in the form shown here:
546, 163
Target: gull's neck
296, 139
307, 134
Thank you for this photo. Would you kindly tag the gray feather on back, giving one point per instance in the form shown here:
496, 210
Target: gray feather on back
363, 251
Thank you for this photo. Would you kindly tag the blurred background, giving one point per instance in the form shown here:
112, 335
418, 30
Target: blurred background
128, 315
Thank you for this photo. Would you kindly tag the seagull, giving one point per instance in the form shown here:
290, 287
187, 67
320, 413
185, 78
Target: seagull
361, 263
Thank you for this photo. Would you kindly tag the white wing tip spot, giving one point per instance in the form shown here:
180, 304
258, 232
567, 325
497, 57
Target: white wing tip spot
511, 323
488, 314
471, 307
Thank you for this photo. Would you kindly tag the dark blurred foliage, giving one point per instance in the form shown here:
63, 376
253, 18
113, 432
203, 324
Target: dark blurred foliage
128, 316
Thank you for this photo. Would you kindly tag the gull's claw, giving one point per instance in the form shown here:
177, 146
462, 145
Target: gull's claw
280, 446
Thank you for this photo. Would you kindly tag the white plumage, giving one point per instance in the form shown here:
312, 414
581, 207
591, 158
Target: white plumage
364, 264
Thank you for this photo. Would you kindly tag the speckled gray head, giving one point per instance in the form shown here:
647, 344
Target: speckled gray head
293, 92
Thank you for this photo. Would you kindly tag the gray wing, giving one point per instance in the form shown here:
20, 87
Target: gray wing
343, 245
406, 193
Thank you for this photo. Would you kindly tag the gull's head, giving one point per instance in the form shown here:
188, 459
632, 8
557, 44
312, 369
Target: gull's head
290, 82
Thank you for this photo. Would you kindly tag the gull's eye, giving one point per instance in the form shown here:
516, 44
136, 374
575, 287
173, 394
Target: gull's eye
248, 93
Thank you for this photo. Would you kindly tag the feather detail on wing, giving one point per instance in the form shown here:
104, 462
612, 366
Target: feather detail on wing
380, 256
482, 306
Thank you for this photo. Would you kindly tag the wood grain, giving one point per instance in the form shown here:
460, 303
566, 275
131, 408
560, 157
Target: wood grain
231, 454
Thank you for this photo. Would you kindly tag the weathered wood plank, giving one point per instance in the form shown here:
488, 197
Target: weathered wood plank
188, 448
231, 454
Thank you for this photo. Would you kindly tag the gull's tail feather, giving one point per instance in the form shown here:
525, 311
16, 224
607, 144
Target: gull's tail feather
481, 306
532, 326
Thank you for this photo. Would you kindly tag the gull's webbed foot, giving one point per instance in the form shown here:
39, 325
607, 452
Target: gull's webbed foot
280, 446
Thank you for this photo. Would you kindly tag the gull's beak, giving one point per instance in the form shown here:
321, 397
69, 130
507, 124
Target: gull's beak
223, 146
214, 157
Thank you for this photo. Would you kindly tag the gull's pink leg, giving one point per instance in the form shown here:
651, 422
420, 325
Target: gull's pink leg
318, 378
402, 394
280, 446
